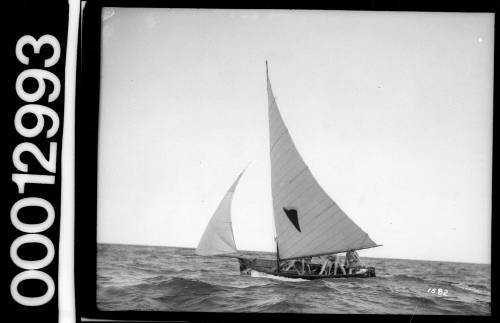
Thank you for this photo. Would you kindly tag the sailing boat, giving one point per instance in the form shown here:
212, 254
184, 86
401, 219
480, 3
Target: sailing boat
308, 222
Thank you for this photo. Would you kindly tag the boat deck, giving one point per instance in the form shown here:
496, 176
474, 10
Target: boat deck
269, 267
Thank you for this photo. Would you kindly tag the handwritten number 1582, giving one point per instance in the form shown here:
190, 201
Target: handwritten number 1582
438, 291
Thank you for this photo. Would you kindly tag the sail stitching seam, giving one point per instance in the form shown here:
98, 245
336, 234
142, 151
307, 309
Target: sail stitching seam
301, 238
278, 139
291, 180
320, 224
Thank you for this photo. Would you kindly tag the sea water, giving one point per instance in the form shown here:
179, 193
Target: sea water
154, 278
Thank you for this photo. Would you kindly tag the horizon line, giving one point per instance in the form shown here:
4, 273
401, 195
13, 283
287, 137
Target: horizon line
271, 252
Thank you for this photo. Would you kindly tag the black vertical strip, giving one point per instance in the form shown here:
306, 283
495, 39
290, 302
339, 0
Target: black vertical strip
86, 158
36, 19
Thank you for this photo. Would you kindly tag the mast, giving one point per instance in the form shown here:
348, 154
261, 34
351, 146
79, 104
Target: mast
277, 256
275, 235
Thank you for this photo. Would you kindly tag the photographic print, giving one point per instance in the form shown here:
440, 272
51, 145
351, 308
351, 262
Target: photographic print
295, 161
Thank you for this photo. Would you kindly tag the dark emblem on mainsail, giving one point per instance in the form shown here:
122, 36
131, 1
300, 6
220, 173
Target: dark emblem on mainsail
292, 216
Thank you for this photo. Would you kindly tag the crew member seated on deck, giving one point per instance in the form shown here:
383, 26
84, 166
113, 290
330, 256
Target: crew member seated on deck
301, 266
331, 260
293, 263
306, 265
352, 261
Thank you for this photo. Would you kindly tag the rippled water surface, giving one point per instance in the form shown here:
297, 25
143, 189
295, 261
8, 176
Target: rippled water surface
175, 279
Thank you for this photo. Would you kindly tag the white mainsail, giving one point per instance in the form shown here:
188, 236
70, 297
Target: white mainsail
308, 222
218, 238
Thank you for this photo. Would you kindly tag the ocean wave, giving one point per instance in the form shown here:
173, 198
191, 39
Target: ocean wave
427, 301
185, 302
164, 286
331, 285
384, 275
284, 306
278, 304
113, 291
259, 274
403, 277
164, 281
158, 269
478, 286
156, 279
186, 284
129, 278
473, 288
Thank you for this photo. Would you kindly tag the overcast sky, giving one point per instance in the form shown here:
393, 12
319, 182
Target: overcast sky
392, 112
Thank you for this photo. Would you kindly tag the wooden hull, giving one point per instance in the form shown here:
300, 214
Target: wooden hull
269, 267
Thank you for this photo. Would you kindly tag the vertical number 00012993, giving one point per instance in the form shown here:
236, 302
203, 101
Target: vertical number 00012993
33, 232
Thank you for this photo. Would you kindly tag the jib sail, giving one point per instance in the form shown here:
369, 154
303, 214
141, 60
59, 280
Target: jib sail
218, 238
308, 222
